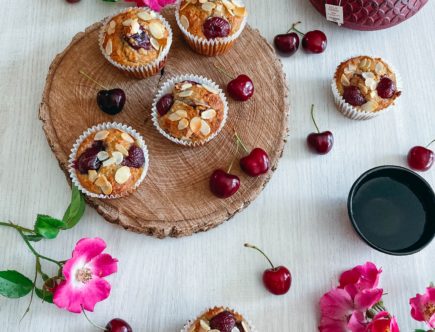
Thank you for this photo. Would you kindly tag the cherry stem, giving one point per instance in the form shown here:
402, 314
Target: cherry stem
234, 159
247, 245
91, 322
430, 143
223, 71
312, 117
239, 141
91, 79
293, 28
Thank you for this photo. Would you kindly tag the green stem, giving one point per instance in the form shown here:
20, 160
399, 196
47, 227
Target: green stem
33, 290
91, 322
312, 117
239, 141
234, 159
430, 143
91, 79
223, 71
261, 251
23, 229
293, 28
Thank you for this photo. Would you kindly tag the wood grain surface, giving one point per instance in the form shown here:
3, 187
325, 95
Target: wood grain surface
174, 199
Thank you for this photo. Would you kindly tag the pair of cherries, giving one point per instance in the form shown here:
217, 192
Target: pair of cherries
312, 42
223, 184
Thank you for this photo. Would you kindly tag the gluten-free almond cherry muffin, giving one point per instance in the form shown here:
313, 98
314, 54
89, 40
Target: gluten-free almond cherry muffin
211, 26
136, 41
219, 319
364, 86
189, 110
108, 161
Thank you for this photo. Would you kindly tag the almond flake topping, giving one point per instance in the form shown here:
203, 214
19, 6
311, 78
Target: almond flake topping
154, 43
101, 135
109, 162
110, 31
240, 11
371, 83
210, 89
107, 189
135, 26
186, 86
145, 16
245, 326
344, 80
92, 175
127, 22
102, 155
208, 6
184, 22
183, 124
174, 117
112, 24
108, 48
205, 128
368, 74
157, 30
350, 69
122, 175
228, 4
204, 325
369, 106
118, 157
186, 93
121, 148
126, 137
208, 114
195, 124
202, 1
380, 68
181, 113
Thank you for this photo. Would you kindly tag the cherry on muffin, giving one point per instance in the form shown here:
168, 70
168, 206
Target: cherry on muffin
216, 27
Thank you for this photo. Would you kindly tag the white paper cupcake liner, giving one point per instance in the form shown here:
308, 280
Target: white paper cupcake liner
167, 88
208, 47
148, 70
191, 322
104, 126
354, 113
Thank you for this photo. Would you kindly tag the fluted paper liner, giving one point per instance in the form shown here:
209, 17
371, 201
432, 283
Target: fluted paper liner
357, 114
104, 126
142, 71
204, 46
167, 88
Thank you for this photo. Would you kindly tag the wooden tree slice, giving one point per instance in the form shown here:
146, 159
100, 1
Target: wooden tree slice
174, 199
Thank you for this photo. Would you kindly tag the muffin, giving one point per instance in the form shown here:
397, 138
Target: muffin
109, 160
219, 319
364, 86
211, 27
189, 110
136, 41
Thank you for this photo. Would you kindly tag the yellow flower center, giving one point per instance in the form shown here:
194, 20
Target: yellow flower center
83, 275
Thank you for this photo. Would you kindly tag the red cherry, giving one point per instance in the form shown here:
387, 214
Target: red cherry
118, 325
314, 41
287, 44
421, 158
72, 1
216, 27
353, 96
256, 162
320, 142
223, 184
241, 88
164, 104
277, 280
386, 88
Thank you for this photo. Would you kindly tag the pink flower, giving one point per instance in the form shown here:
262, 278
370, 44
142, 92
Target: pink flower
359, 278
383, 322
340, 311
423, 307
84, 284
156, 5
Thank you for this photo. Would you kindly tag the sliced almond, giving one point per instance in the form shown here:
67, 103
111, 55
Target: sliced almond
108, 47
121, 148
126, 137
368, 74
185, 93
135, 26
101, 135
181, 113
195, 124
369, 106
229, 5
202, 1
204, 325
245, 326
371, 83
350, 69
240, 11
112, 24
365, 64
380, 68
208, 114
109, 162
208, 6
186, 86
174, 117
102, 155
205, 128
344, 80
373, 94
363, 88
110, 31
154, 43
107, 189
118, 157
92, 175
127, 22
101, 181
122, 175
210, 89
157, 30
184, 22
145, 16
183, 124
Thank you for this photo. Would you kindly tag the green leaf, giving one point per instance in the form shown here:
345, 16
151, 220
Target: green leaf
44, 295
14, 285
419, 330
33, 238
75, 210
48, 227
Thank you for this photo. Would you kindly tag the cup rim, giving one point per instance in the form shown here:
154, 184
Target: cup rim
353, 191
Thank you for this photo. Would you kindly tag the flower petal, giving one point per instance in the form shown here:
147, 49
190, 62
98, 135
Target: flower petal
332, 325
357, 322
103, 265
336, 304
66, 298
97, 290
88, 248
367, 298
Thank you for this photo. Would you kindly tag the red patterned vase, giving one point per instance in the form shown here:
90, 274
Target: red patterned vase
373, 14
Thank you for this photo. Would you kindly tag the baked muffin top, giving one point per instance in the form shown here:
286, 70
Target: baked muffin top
367, 83
212, 19
109, 162
135, 37
191, 112
214, 318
